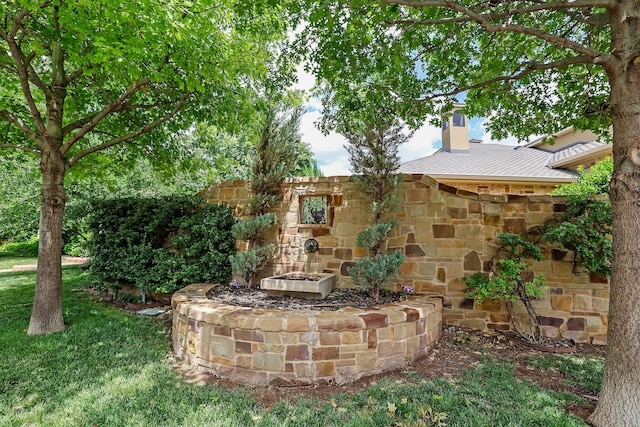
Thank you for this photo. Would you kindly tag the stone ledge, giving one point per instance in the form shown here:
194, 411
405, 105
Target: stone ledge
259, 347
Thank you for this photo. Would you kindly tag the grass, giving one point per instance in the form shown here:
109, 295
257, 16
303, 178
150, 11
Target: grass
113, 369
9, 260
583, 372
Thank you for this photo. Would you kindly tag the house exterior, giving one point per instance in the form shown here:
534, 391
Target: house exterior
535, 168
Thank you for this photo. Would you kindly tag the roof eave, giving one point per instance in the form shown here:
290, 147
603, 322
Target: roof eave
517, 178
578, 157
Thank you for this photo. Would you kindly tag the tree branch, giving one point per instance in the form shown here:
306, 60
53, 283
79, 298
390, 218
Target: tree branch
17, 23
34, 77
596, 20
21, 125
131, 135
484, 20
23, 73
98, 117
530, 68
71, 77
20, 147
577, 4
123, 107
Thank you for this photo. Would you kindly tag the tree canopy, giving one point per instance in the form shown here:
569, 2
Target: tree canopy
121, 74
531, 67
527, 65
82, 77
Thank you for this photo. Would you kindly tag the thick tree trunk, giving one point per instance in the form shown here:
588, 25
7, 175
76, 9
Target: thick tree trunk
46, 316
619, 403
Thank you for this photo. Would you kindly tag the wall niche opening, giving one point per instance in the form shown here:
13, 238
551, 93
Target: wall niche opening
314, 210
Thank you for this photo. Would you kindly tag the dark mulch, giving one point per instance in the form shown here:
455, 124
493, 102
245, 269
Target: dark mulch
339, 298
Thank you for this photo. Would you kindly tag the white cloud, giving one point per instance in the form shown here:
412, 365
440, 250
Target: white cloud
333, 158
425, 141
340, 167
327, 149
306, 80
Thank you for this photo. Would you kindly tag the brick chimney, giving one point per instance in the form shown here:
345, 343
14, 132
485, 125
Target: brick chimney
455, 132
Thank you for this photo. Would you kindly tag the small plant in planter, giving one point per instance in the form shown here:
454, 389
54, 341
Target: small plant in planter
509, 280
374, 272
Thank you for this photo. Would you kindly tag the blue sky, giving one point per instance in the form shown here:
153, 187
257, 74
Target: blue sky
329, 150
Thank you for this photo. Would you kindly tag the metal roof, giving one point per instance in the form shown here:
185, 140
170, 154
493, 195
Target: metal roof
574, 152
490, 162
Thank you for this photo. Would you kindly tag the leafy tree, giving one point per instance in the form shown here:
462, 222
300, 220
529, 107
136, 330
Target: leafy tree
533, 68
276, 157
373, 154
80, 77
596, 180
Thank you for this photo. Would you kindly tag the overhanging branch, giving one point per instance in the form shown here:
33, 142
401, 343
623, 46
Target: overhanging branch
577, 4
129, 136
20, 125
28, 150
485, 20
98, 117
517, 75
23, 74
124, 107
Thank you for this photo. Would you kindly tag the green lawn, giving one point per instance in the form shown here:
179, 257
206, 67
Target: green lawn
8, 261
114, 369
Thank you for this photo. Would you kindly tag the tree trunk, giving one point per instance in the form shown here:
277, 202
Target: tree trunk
619, 403
46, 316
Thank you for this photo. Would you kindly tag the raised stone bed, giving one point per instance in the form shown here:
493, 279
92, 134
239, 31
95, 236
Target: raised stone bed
259, 347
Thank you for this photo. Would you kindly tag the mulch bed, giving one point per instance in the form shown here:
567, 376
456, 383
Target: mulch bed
339, 298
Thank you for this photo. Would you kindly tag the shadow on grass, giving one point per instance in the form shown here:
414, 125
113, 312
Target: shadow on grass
113, 369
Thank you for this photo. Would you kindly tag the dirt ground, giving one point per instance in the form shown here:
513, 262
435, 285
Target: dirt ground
457, 350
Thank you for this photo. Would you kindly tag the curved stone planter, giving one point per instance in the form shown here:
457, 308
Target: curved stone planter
257, 346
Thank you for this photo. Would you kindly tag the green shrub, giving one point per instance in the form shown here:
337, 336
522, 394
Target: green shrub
246, 265
373, 238
508, 280
596, 180
585, 229
374, 273
254, 230
28, 248
160, 244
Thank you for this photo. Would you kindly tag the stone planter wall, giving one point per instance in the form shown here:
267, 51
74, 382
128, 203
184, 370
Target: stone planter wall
255, 346
445, 234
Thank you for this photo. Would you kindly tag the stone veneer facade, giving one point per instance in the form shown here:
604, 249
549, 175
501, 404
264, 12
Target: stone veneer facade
259, 347
445, 234
500, 188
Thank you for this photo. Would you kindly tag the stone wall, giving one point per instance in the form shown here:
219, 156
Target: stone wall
500, 188
256, 346
445, 233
